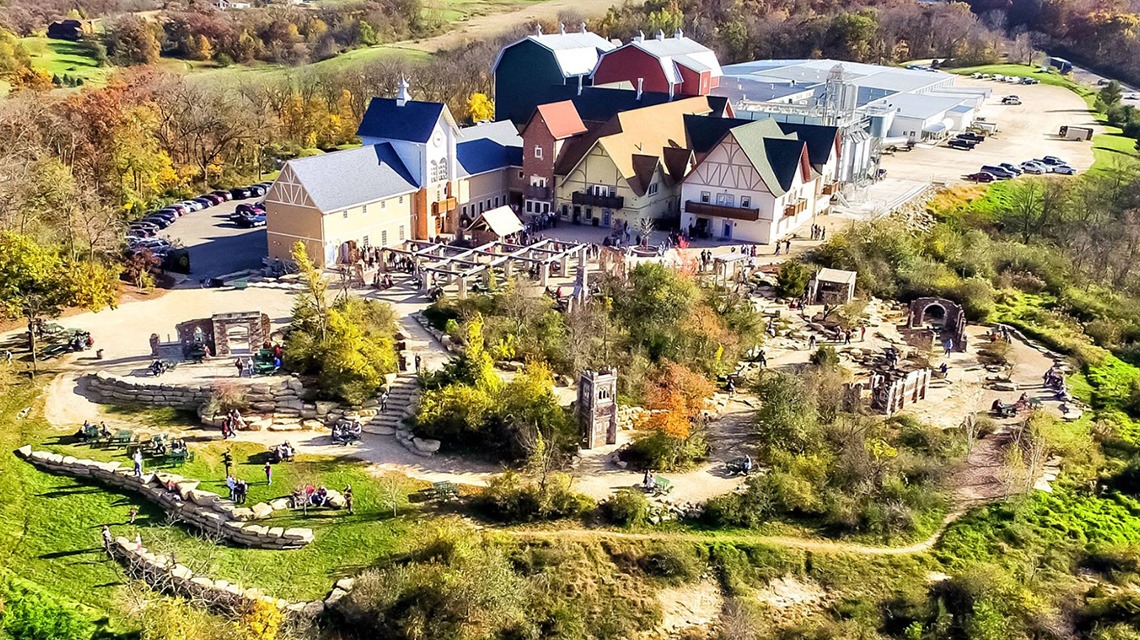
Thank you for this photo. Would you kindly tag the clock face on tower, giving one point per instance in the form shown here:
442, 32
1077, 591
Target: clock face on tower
438, 139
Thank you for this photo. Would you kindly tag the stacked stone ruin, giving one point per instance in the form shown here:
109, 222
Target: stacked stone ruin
204, 510
165, 574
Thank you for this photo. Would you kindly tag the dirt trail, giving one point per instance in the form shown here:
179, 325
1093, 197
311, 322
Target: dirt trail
806, 544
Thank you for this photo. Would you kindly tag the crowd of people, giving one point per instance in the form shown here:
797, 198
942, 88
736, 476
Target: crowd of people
346, 432
283, 452
231, 423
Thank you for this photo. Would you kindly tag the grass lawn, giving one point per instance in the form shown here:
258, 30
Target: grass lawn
49, 525
60, 57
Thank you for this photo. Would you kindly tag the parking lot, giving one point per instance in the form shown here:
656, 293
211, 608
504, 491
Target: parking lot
218, 246
1025, 131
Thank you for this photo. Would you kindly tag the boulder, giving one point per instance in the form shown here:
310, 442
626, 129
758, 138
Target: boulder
313, 609
335, 500
335, 597
426, 445
312, 425
261, 510
345, 584
242, 514
25, 451
324, 407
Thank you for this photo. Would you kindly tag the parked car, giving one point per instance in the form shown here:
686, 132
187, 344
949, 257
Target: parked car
152, 243
178, 208
958, 143
999, 172
240, 193
252, 221
172, 211
158, 221
1010, 167
257, 190
1052, 160
1034, 168
249, 209
194, 205
981, 176
1030, 81
970, 135
214, 198
143, 229
204, 201
223, 194
1064, 170
1011, 100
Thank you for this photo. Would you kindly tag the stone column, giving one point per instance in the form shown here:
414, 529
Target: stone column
462, 287
544, 274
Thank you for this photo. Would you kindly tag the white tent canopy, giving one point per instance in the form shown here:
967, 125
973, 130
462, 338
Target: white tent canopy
500, 221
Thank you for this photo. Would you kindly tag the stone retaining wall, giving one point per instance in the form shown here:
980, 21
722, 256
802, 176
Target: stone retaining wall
110, 389
205, 510
165, 574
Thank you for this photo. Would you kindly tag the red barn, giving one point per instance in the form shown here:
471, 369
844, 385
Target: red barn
677, 66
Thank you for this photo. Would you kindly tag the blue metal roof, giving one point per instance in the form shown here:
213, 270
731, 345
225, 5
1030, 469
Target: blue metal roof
387, 120
353, 177
485, 154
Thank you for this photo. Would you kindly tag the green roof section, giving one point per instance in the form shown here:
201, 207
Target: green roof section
775, 154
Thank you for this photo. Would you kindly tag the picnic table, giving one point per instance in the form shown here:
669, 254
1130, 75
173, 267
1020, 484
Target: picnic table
123, 438
444, 490
661, 486
178, 458
264, 368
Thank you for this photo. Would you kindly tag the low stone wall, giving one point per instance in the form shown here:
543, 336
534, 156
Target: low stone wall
205, 510
110, 389
165, 574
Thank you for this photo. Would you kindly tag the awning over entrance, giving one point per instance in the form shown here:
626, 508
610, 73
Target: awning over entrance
500, 221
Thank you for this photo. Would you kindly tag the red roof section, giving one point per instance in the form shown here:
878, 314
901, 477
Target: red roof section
562, 119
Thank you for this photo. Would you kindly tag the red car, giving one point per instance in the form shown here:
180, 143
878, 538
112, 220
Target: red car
981, 176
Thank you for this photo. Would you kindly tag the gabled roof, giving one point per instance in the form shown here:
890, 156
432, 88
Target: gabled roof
575, 53
646, 131
776, 159
677, 162
704, 133
820, 139
679, 51
413, 122
599, 104
500, 221
488, 147
561, 119
644, 168
353, 177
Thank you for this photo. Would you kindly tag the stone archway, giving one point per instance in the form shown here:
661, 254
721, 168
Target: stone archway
947, 316
237, 340
934, 313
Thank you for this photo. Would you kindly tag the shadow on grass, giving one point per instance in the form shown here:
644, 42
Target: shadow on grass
72, 491
67, 554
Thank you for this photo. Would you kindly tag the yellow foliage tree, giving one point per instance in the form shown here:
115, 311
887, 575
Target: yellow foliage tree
262, 621
480, 107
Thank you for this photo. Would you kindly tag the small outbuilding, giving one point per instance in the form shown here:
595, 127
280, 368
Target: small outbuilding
493, 225
65, 30
832, 286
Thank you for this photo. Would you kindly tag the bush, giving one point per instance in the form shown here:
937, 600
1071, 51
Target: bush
792, 279
510, 498
658, 451
31, 614
825, 356
626, 508
675, 563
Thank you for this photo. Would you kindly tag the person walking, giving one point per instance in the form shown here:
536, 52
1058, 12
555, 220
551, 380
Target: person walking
137, 458
948, 346
862, 333
419, 362
348, 499
268, 474
231, 484
108, 539
763, 360
132, 514
811, 342
384, 400
238, 365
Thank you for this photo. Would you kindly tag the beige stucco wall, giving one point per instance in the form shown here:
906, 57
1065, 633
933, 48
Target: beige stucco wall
484, 187
598, 168
376, 224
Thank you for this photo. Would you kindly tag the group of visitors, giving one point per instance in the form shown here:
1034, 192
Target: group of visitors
177, 445
283, 452
818, 232
90, 432
308, 496
541, 222
382, 281
345, 432
787, 244
231, 423
239, 489
1054, 379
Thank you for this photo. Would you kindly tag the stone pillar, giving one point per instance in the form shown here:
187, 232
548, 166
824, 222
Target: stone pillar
583, 287
544, 274
507, 269
462, 287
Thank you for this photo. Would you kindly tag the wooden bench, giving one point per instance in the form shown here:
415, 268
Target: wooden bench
444, 490
240, 285
178, 458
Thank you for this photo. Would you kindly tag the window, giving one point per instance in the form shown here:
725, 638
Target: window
383, 204
520, 175
746, 202
537, 181
433, 170
538, 152
464, 209
344, 214
364, 241
705, 196
364, 209
653, 189
384, 238
725, 200
401, 233
401, 199
530, 206
496, 201
441, 171
480, 207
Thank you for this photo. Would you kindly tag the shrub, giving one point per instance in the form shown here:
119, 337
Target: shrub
626, 508
30, 614
825, 356
792, 279
659, 451
510, 498
676, 562
225, 397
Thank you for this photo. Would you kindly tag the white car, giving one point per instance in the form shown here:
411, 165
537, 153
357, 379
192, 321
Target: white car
1032, 168
1064, 170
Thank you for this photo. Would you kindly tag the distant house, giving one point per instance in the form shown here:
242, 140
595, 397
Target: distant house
229, 4
524, 69
674, 66
65, 30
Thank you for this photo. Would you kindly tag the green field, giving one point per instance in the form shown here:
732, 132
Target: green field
49, 525
1109, 147
60, 57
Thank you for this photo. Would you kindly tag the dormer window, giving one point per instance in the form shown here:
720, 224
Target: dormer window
538, 152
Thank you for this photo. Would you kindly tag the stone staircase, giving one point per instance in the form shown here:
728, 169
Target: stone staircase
401, 402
